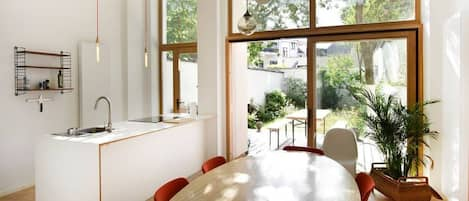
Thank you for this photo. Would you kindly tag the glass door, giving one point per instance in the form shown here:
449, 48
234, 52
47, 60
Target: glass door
383, 63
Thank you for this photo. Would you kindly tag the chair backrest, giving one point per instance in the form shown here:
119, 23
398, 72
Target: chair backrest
168, 190
213, 163
306, 149
341, 145
366, 184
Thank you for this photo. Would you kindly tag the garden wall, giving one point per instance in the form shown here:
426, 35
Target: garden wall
262, 81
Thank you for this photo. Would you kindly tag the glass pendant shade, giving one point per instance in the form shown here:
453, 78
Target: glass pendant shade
247, 24
262, 1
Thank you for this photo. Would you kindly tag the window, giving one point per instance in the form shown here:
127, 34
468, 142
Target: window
341, 12
179, 21
368, 43
275, 15
178, 58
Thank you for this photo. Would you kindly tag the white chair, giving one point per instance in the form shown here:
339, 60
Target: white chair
341, 145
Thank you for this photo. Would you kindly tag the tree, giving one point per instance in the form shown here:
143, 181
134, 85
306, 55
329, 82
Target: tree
276, 15
181, 20
371, 11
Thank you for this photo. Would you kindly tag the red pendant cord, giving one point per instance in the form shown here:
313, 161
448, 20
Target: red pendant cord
97, 19
146, 24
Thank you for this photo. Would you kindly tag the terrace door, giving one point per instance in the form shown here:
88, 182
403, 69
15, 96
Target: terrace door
384, 63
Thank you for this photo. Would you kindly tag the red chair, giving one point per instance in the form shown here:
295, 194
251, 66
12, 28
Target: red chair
213, 163
168, 190
306, 149
366, 184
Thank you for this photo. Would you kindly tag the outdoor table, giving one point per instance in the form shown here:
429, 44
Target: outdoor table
302, 117
275, 176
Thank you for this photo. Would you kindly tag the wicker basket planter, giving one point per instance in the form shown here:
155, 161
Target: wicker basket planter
402, 189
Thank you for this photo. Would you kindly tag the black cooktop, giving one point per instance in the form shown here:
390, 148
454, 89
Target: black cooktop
156, 119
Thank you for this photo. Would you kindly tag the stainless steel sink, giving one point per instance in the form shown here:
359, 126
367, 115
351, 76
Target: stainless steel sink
92, 130
82, 132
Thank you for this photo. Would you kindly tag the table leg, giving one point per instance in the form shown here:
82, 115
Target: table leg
293, 130
278, 138
306, 128
324, 125
270, 138
286, 130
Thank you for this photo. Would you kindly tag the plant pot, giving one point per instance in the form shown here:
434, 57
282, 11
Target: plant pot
402, 189
259, 125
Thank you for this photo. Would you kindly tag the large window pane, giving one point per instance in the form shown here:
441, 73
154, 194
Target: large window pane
275, 15
378, 65
179, 21
188, 80
167, 79
349, 12
269, 79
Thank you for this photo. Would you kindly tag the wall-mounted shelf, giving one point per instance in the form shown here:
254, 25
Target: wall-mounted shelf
50, 89
43, 67
24, 70
60, 54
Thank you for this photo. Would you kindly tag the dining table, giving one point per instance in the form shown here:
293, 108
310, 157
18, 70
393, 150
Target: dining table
274, 176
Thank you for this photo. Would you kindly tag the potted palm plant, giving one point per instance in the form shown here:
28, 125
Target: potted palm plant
398, 132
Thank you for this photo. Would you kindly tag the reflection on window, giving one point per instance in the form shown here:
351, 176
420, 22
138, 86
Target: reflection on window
341, 67
179, 21
167, 79
349, 12
275, 15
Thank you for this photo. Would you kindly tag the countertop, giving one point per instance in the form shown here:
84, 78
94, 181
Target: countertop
126, 129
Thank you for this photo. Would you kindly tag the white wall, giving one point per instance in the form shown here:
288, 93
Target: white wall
256, 90
446, 78
239, 98
211, 63
60, 25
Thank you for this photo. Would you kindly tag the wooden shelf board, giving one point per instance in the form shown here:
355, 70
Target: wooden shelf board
58, 89
44, 67
44, 53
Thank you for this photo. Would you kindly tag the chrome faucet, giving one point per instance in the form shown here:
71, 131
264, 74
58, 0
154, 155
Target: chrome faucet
108, 126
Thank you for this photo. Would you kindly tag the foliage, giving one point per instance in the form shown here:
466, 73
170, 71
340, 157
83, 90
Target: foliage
275, 15
279, 14
397, 130
275, 103
181, 21
295, 90
339, 78
254, 50
371, 11
252, 119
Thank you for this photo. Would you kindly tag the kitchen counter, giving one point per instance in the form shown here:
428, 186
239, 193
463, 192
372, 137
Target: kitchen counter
127, 164
127, 129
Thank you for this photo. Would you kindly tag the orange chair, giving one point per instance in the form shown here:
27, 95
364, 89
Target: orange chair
307, 149
366, 184
213, 163
168, 190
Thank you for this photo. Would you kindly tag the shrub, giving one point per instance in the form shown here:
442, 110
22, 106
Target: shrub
275, 103
252, 119
295, 90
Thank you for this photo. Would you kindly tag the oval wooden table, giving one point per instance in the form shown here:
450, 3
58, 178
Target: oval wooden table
276, 176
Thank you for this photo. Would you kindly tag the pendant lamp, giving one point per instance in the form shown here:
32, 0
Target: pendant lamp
145, 56
247, 24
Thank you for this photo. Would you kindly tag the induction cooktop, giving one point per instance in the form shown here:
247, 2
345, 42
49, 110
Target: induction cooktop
159, 118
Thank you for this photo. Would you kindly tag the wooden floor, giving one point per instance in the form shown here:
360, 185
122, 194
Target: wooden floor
24, 195
28, 195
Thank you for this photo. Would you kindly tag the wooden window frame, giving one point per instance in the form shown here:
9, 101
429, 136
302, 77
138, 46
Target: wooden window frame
369, 31
176, 49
